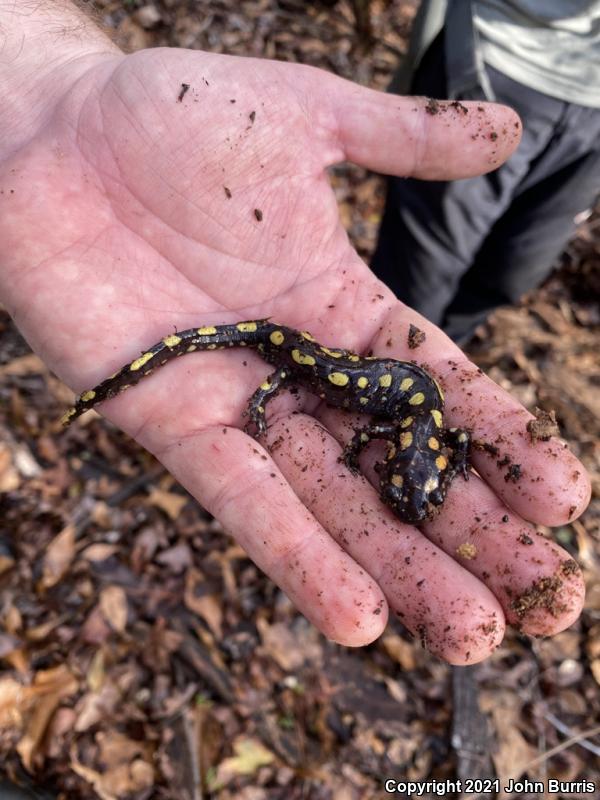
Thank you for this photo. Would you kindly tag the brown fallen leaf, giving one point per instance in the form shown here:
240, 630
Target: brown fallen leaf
250, 755
12, 699
95, 630
30, 708
400, 650
288, 648
206, 606
8, 644
513, 752
29, 364
39, 632
119, 782
126, 766
99, 551
9, 476
113, 605
170, 502
58, 557
96, 707
96, 671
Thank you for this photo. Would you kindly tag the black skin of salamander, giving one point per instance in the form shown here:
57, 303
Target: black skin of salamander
405, 402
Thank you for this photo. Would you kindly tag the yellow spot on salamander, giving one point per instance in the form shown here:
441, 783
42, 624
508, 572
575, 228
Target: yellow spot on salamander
265, 386
308, 336
406, 384
172, 340
364, 437
338, 378
276, 337
441, 462
397, 480
363, 401
303, 358
246, 327
191, 348
332, 353
209, 330
353, 357
385, 380
431, 484
87, 396
260, 409
362, 382
406, 423
433, 443
406, 439
211, 346
437, 417
139, 362
64, 420
417, 399
391, 452
462, 437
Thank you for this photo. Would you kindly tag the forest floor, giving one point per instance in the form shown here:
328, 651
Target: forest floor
143, 655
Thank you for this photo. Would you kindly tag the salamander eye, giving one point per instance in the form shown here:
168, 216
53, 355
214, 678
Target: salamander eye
436, 497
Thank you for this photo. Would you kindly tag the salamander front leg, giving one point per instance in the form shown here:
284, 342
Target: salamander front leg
460, 443
362, 437
258, 402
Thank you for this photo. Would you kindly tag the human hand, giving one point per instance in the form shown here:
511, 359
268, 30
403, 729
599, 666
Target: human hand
127, 213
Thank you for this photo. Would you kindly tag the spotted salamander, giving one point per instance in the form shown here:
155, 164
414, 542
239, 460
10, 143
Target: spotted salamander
405, 401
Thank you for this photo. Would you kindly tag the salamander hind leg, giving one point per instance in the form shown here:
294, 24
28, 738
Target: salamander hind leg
257, 404
460, 443
361, 438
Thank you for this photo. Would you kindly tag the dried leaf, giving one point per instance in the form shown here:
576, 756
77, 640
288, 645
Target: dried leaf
39, 632
400, 650
250, 755
170, 502
99, 551
96, 673
18, 660
12, 618
95, 630
24, 365
8, 644
177, 558
281, 644
513, 751
116, 748
59, 555
96, 707
6, 562
31, 707
12, 696
113, 604
206, 606
126, 767
9, 477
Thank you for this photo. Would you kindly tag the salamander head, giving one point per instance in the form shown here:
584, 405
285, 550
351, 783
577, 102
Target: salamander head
413, 490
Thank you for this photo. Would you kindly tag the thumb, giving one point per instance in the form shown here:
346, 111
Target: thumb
418, 137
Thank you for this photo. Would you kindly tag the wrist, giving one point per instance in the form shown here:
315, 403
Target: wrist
45, 47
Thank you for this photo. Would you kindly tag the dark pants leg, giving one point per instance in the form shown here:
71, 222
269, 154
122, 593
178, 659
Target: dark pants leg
456, 250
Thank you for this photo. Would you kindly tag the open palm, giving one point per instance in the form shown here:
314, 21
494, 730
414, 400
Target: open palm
140, 206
